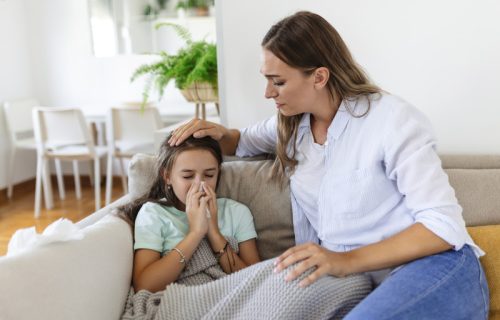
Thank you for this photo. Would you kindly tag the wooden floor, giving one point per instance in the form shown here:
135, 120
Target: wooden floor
17, 212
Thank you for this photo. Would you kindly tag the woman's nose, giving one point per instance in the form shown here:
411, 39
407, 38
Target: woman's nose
270, 91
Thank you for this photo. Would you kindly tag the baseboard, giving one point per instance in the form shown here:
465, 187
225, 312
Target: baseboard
28, 186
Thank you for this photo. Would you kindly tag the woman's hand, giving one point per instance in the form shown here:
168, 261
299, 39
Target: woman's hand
196, 209
199, 129
312, 255
213, 225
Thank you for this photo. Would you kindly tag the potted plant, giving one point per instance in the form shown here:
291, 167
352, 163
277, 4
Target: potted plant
197, 7
194, 69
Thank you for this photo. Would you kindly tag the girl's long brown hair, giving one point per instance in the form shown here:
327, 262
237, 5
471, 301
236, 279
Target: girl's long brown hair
307, 41
159, 193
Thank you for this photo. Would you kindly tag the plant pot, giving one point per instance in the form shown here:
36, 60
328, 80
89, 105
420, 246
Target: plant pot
200, 92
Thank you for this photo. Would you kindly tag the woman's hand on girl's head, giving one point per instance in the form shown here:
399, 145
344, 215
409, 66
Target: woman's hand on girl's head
199, 129
196, 208
311, 255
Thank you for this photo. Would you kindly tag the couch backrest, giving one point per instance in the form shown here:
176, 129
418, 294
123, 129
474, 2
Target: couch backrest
476, 180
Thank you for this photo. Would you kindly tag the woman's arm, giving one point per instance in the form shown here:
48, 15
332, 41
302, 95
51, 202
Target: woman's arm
228, 138
410, 244
154, 273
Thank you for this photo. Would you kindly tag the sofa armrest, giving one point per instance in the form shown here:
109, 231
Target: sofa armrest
79, 279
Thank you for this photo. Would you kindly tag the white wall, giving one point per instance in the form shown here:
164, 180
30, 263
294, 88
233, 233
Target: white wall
442, 56
46, 53
15, 79
66, 71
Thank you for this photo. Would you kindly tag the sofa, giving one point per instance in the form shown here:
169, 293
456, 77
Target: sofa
90, 278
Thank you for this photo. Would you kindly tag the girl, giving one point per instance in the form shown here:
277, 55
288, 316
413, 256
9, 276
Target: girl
180, 210
383, 205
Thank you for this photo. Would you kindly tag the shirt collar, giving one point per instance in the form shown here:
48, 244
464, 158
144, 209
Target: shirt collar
335, 129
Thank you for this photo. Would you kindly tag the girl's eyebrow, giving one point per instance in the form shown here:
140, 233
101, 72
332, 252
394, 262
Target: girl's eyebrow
189, 170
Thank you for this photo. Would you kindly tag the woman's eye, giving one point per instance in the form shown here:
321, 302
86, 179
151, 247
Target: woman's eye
278, 84
188, 177
209, 176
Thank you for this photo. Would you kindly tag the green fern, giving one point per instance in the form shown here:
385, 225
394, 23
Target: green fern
196, 62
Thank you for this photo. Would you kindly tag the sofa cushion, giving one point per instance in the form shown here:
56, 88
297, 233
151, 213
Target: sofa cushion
243, 181
488, 238
477, 192
141, 174
247, 182
81, 279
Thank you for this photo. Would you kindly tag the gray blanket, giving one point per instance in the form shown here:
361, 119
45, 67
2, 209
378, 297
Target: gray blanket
204, 292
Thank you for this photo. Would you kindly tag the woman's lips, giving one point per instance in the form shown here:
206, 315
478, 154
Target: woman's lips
279, 105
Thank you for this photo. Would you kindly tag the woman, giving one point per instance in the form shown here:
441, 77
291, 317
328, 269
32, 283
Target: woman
367, 187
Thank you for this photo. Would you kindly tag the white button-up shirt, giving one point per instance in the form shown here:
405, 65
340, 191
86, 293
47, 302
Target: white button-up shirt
381, 175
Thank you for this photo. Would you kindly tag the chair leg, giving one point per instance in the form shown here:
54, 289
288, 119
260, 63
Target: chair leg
78, 190
97, 183
60, 181
47, 184
10, 172
91, 173
124, 177
38, 186
109, 178
203, 112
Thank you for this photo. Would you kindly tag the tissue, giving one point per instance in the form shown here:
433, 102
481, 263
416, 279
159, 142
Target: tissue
58, 231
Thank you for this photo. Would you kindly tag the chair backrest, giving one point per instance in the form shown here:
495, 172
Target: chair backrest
59, 127
18, 118
130, 123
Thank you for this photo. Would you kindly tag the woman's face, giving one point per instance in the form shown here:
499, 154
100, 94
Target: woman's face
192, 166
293, 92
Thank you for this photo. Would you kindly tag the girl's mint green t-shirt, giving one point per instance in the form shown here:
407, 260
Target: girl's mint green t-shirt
161, 228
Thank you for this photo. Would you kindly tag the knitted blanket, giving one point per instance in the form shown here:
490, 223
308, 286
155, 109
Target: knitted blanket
204, 291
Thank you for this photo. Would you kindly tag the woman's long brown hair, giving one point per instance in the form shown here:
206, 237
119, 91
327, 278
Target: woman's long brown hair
306, 41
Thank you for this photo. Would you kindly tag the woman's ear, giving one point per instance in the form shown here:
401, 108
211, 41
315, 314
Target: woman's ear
321, 76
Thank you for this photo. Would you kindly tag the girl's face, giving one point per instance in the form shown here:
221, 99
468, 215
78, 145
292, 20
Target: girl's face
293, 92
192, 166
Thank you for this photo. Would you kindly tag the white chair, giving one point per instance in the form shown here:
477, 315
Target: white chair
130, 130
18, 114
63, 134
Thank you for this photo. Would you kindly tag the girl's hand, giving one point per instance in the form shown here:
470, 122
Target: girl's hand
198, 128
196, 209
312, 255
212, 207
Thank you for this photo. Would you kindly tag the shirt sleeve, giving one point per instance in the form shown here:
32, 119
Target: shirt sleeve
411, 160
147, 229
258, 139
244, 228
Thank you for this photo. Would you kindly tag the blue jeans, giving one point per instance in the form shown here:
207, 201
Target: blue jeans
449, 285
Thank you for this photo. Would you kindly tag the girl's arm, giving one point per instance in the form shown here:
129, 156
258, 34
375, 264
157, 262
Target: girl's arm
153, 273
229, 260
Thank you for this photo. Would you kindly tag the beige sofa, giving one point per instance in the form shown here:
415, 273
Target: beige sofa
90, 278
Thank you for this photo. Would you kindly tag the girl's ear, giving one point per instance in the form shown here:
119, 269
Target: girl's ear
321, 76
166, 177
